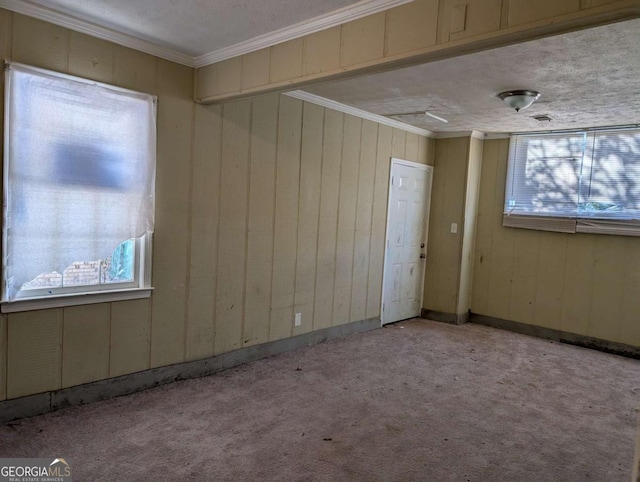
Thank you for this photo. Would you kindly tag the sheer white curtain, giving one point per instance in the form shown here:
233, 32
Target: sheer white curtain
79, 172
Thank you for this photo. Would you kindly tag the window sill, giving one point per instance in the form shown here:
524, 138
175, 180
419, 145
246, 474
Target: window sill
572, 225
75, 299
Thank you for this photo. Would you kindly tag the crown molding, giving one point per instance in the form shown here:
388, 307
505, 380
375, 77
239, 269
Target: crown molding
448, 135
321, 22
347, 109
68, 21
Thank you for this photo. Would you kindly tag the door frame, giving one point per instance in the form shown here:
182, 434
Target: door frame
395, 161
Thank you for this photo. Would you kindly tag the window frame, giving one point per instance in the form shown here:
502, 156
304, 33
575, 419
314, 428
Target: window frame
44, 298
545, 221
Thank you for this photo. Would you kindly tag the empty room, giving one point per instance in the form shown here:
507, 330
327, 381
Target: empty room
320, 240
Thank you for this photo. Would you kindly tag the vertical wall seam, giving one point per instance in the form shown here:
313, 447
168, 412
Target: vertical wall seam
335, 242
504, 14
109, 350
375, 171
315, 275
295, 264
385, 36
217, 227
247, 213
355, 224
440, 13
322, 170
217, 254
295, 271
592, 283
10, 35
68, 50
273, 220
187, 305
564, 276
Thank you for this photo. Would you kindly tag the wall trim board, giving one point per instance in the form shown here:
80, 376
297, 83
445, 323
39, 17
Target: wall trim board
89, 28
40, 403
363, 114
346, 14
558, 335
450, 318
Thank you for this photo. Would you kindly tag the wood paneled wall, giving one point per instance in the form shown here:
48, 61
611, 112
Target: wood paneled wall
580, 283
264, 207
296, 225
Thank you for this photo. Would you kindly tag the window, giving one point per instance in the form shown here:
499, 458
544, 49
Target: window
79, 176
584, 181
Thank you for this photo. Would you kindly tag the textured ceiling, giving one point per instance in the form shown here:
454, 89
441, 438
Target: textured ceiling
195, 27
587, 78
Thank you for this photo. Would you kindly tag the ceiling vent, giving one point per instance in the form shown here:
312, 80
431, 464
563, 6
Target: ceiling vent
542, 118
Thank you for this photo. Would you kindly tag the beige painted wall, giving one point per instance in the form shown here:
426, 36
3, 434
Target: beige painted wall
264, 207
580, 283
444, 248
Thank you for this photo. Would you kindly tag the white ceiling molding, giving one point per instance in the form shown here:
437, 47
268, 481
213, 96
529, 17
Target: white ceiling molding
332, 19
447, 135
321, 22
42, 13
332, 104
497, 135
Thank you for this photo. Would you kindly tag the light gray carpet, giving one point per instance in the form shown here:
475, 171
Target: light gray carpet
417, 400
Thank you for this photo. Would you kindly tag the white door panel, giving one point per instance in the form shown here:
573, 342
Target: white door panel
407, 216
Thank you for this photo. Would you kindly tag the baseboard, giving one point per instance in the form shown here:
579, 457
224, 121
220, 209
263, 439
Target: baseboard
40, 403
451, 318
558, 335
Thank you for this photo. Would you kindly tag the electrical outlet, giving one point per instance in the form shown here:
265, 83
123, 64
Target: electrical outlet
298, 320
454, 228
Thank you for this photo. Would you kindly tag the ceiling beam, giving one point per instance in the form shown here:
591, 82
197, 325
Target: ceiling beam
419, 32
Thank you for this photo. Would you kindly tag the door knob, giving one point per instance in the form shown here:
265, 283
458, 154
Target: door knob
422, 245
422, 255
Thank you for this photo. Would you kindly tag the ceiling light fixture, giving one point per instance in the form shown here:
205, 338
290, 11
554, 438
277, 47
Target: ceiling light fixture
519, 99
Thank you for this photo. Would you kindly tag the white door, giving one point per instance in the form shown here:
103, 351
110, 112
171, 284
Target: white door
407, 221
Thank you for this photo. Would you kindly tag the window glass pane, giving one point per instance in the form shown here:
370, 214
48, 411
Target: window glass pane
544, 175
82, 273
44, 280
117, 268
613, 186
